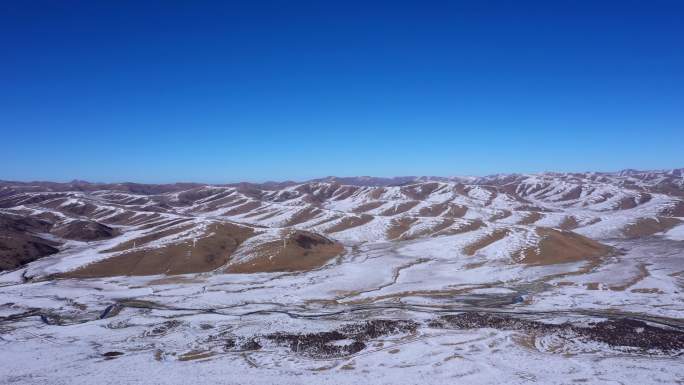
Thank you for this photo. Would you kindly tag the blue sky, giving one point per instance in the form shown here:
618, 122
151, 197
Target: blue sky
228, 91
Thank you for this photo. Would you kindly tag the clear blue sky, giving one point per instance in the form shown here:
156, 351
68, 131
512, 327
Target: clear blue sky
226, 91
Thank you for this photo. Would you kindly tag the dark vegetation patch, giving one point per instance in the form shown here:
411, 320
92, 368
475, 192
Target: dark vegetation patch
111, 355
347, 340
621, 332
250, 344
307, 240
322, 344
229, 344
163, 328
111, 311
378, 328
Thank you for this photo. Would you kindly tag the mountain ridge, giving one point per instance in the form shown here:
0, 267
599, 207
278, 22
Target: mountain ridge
514, 208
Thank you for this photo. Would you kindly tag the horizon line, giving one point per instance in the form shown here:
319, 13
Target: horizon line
324, 178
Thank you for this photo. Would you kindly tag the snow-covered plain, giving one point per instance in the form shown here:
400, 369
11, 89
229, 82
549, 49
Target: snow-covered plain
378, 282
